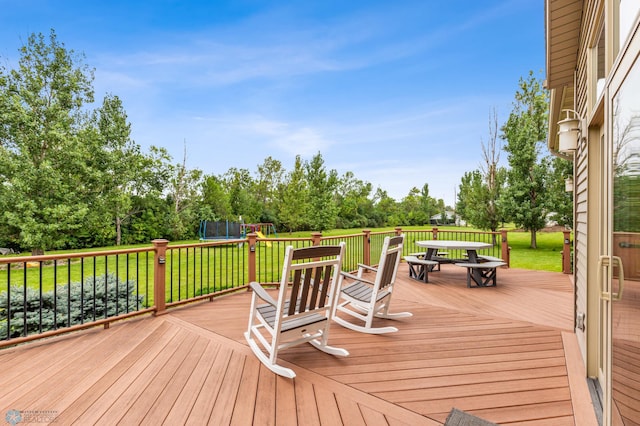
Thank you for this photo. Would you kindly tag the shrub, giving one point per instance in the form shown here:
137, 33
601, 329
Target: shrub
109, 297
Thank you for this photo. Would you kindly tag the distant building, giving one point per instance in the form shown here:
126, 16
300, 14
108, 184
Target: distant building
449, 218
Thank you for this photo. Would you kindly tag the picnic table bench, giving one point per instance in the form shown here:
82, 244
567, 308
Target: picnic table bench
419, 267
482, 273
486, 258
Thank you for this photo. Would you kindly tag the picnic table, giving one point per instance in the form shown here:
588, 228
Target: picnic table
481, 270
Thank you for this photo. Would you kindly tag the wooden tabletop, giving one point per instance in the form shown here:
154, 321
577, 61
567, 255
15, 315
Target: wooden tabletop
453, 245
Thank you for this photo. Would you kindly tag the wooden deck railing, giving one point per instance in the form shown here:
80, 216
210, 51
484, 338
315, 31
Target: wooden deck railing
46, 295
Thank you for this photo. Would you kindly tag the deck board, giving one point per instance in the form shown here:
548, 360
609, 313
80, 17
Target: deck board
504, 353
265, 408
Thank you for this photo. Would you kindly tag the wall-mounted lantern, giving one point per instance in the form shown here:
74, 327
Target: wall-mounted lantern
568, 184
569, 132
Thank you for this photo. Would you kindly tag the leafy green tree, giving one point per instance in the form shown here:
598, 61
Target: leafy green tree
429, 206
561, 201
149, 221
215, 195
241, 185
294, 195
526, 199
418, 206
385, 209
322, 210
469, 191
268, 183
42, 158
354, 205
151, 209
125, 169
411, 209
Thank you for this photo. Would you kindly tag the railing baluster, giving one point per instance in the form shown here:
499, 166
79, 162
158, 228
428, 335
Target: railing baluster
186, 271
137, 281
146, 304
69, 292
94, 288
127, 278
82, 290
171, 252
24, 301
106, 287
201, 270
117, 284
55, 293
40, 310
8, 301
233, 253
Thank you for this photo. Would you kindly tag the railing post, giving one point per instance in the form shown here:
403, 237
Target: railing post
316, 238
252, 237
366, 247
398, 231
506, 254
159, 276
566, 252
435, 233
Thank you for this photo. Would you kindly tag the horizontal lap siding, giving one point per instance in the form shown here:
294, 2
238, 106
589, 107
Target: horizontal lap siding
581, 224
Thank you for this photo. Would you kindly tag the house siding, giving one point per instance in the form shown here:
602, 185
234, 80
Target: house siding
581, 224
581, 218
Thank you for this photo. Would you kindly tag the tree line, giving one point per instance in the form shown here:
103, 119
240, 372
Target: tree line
72, 177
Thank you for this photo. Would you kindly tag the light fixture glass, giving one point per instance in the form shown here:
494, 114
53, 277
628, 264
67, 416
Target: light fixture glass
569, 132
568, 184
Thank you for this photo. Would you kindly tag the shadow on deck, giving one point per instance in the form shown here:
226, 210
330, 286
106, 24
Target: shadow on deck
507, 354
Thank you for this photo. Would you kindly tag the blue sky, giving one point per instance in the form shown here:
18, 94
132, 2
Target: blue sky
398, 92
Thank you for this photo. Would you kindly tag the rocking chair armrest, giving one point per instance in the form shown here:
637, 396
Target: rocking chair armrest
356, 278
262, 293
363, 266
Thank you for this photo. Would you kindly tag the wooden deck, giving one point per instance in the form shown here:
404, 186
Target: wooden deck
506, 354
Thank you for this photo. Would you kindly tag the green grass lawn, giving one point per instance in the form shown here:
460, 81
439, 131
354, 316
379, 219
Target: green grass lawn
547, 257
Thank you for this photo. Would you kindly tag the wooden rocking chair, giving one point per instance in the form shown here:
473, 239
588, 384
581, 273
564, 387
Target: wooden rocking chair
301, 314
365, 299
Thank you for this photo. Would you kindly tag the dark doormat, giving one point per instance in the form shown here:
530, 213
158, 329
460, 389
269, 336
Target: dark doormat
460, 418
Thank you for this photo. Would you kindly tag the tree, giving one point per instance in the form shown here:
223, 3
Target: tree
294, 194
184, 185
322, 210
561, 200
215, 196
354, 205
480, 190
471, 197
411, 209
418, 207
385, 209
240, 185
125, 170
429, 206
42, 158
270, 175
150, 209
526, 199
